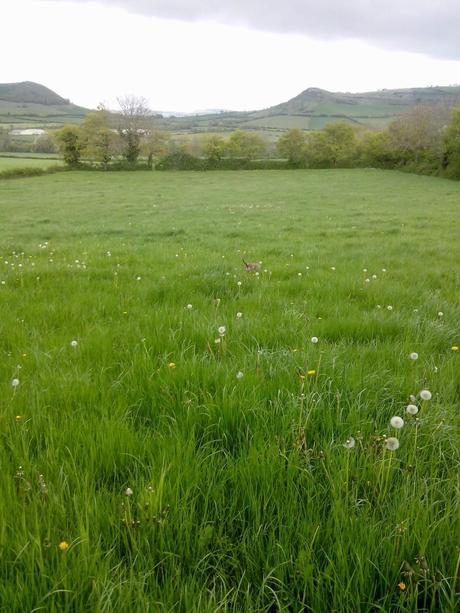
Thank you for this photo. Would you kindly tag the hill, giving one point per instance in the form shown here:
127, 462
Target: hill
28, 104
314, 108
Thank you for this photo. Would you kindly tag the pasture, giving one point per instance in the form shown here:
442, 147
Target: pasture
151, 462
20, 161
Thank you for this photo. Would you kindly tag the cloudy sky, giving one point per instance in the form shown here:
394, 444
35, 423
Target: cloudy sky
184, 55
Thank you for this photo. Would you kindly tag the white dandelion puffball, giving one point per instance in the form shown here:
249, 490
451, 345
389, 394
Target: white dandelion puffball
414, 356
314, 340
138, 278
425, 395
349, 443
389, 307
239, 283
15, 382
128, 491
392, 443
239, 375
412, 409
190, 307
440, 314
221, 330
374, 276
239, 315
397, 422
367, 280
73, 343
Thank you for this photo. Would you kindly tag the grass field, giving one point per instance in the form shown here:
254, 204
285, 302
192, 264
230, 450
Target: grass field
151, 463
20, 161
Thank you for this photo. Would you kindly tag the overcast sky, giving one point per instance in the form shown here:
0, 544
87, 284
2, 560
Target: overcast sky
185, 55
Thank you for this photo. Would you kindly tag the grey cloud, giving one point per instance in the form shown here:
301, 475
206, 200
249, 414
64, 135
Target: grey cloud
423, 26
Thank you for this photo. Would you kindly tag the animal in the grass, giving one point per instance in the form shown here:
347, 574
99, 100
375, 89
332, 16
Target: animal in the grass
251, 266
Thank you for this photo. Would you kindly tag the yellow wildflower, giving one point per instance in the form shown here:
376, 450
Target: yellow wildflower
18, 417
402, 586
311, 373
63, 546
171, 365
454, 347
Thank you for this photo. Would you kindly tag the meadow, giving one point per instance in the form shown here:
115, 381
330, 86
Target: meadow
181, 435
13, 162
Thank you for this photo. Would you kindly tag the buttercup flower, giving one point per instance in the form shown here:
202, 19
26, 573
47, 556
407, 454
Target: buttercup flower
171, 365
454, 347
63, 545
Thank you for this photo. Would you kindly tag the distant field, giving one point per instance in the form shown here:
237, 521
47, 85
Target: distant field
153, 463
20, 161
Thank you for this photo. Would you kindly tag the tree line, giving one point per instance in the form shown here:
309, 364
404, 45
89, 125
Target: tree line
425, 139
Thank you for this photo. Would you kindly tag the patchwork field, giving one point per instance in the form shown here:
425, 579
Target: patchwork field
152, 462
20, 161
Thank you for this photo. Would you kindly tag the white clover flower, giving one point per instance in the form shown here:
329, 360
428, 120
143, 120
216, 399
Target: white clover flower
397, 422
239, 315
425, 395
190, 307
349, 443
314, 340
414, 355
412, 409
221, 330
15, 382
239, 375
73, 343
128, 491
392, 443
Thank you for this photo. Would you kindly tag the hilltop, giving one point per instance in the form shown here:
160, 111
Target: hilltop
28, 104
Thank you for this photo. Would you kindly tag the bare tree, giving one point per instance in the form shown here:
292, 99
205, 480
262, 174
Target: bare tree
133, 123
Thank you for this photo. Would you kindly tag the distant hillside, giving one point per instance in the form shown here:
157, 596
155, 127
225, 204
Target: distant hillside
28, 104
314, 108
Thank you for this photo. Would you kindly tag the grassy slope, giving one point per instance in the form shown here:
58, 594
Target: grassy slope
245, 497
9, 163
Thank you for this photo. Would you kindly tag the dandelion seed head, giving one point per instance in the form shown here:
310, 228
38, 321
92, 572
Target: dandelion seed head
239, 283
425, 395
389, 307
239, 315
221, 330
349, 443
15, 382
392, 443
314, 340
440, 314
239, 375
73, 343
397, 422
190, 307
412, 409
413, 356
128, 491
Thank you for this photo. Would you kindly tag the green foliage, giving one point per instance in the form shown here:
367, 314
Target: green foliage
45, 143
376, 149
155, 145
214, 147
292, 145
451, 146
244, 499
69, 141
245, 145
99, 143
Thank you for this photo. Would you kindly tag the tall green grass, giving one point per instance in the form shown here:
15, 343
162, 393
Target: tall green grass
244, 497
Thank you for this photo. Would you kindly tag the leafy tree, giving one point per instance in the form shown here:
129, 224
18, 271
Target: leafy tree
292, 145
451, 145
417, 134
214, 147
133, 123
376, 149
154, 145
5, 140
69, 144
99, 142
246, 145
44, 143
